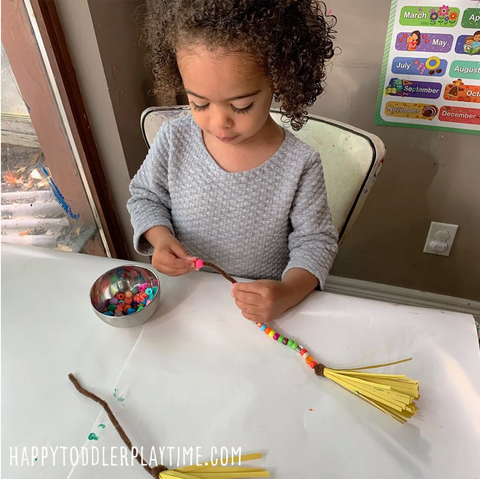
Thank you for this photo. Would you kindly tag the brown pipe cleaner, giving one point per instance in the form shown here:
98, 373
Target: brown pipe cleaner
153, 471
220, 270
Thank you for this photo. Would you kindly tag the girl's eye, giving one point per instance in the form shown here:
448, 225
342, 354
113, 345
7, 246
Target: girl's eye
242, 110
198, 107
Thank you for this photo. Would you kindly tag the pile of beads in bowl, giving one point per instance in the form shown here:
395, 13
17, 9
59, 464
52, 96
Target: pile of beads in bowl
131, 301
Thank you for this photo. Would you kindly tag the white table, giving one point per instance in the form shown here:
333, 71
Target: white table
199, 375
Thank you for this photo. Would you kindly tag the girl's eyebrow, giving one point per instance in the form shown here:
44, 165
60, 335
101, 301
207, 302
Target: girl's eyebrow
239, 97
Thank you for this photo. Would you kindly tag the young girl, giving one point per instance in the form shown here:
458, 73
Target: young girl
227, 184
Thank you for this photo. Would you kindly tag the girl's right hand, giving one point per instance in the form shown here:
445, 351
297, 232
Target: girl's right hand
169, 256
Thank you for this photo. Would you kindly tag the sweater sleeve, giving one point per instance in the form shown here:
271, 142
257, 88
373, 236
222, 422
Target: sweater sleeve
313, 242
150, 203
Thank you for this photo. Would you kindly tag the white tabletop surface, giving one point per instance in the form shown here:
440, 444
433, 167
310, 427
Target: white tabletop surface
198, 375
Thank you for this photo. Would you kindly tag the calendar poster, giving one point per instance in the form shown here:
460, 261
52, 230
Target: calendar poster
431, 67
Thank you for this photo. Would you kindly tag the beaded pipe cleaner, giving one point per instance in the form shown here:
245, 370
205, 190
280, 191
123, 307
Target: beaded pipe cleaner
393, 394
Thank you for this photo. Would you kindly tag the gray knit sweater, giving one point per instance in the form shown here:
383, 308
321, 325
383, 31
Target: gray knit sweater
256, 224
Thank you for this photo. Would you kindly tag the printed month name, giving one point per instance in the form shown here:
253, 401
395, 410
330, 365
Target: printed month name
414, 15
418, 89
467, 70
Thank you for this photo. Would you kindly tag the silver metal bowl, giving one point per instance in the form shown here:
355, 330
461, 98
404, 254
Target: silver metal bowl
120, 280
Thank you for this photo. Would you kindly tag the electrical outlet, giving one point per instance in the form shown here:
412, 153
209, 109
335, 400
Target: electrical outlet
440, 239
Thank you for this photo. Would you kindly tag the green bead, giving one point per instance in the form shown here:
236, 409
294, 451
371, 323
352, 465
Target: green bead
112, 307
139, 308
280, 339
294, 345
290, 342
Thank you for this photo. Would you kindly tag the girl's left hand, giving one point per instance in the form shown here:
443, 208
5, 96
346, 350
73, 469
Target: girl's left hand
259, 301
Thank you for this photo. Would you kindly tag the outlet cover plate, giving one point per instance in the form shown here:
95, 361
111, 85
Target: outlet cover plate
434, 228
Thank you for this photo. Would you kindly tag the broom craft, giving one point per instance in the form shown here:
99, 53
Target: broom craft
202, 471
393, 394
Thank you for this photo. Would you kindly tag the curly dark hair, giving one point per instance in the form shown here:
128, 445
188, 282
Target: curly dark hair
291, 40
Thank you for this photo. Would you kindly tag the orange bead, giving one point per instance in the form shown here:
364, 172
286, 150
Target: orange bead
128, 300
120, 296
128, 294
267, 330
309, 359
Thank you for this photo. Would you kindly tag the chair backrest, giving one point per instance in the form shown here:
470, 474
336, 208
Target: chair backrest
351, 158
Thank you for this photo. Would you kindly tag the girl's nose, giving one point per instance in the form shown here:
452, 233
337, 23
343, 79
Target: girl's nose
220, 119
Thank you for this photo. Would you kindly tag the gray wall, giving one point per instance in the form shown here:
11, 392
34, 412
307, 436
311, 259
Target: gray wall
129, 81
428, 175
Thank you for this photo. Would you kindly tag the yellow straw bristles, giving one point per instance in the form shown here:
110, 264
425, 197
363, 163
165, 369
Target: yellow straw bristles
207, 471
393, 394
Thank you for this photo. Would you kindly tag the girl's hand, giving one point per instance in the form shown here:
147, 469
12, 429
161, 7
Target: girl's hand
169, 256
259, 301
264, 300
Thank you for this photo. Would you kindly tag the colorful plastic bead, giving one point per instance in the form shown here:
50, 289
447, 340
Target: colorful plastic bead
155, 289
259, 325
289, 342
280, 339
120, 296
130, 310
294, 345
149, 291
309, 359
128, 300
113, 301
312, 364
108, 313
263, 327
155, 282
303, 351
135, 289
128, 294
118, 312
285, 341
276, 336
111, 307
305, 354
140, 308
148, 302
267, 330
198, 264
271, 333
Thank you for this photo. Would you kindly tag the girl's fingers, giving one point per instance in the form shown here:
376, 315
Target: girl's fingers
247, 308
179, 251
247, 298
252, 317
173, 272
251, 288
169, 260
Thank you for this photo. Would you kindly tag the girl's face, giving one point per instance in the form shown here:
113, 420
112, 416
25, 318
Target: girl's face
229, 95
414, 37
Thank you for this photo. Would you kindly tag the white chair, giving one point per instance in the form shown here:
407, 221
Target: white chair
351, 159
